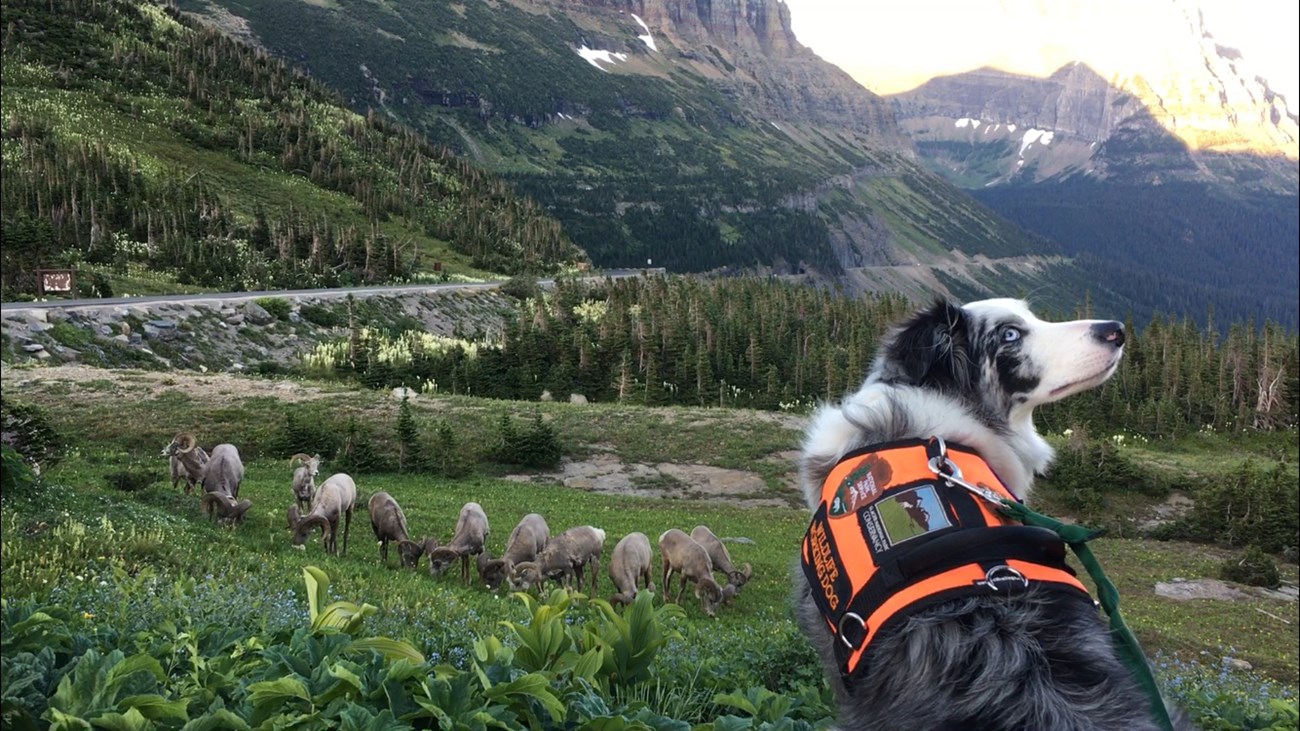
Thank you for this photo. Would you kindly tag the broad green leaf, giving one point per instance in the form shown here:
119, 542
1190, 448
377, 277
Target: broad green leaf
60, 721
318, 583
342, 616
118, 674
387, 648
155, 707
132, 720
218, 720
277, 691
532, 685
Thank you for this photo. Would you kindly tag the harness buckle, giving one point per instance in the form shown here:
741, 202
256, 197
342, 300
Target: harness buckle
839, 630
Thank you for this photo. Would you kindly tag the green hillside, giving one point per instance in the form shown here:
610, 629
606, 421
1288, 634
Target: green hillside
664, 156
137, 141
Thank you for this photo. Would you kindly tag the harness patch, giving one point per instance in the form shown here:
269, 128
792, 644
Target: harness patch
903, 516
862, 486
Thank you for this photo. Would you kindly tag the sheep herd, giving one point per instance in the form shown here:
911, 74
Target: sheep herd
532, 556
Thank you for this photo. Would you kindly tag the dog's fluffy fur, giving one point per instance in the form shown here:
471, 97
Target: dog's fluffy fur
973, 375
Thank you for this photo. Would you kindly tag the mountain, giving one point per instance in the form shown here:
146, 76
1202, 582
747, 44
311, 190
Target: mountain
697, 136
139, 143
1179, 188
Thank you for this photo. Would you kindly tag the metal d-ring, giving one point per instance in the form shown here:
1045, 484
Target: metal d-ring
941, 465
840, 629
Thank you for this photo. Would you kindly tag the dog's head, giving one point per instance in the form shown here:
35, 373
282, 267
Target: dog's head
998, 357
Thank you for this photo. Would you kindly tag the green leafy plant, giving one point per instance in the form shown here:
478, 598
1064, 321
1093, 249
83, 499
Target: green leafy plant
1255, 568
347, 617
633, 638
278, 307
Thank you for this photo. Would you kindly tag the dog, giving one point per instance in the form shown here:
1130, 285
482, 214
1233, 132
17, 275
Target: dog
959, 381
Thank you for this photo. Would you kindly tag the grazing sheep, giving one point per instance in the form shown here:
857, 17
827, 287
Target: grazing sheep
526, 540
410, 551
563, 558
388, 521
224, 471
304, 479
721, 558
471, 533
682, 555
335, 499
629, 563
223, 508
187, 460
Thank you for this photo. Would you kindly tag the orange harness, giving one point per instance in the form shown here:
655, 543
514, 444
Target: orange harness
892, 535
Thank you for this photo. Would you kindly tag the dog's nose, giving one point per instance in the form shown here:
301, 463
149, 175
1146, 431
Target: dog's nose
1109, 332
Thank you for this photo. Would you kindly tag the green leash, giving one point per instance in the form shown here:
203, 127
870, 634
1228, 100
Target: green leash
1077, 537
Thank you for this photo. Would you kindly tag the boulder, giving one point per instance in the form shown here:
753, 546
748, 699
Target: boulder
257, 314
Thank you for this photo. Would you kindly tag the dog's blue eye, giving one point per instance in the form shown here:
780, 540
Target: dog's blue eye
1010, 334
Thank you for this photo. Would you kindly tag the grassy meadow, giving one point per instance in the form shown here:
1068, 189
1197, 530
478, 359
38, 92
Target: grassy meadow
137, 569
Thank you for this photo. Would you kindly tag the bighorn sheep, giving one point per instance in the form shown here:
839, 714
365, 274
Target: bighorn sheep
721, 558
629, 564
304, 479
471, 533
222, 507
526, 540
411, 551
682, 555
335, 499
563, 557
224, 471
187, 460
388, 521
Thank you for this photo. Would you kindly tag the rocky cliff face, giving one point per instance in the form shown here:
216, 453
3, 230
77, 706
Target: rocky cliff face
749, 49
1200, 115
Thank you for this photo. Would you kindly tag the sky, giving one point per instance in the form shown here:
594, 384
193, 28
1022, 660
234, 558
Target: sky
895, 45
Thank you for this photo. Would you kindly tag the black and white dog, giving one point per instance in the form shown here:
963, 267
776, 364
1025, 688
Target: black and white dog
1030, 660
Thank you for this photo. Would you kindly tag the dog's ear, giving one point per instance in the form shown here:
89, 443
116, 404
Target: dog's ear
931, 349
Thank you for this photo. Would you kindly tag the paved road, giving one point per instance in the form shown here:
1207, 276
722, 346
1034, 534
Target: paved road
6, 307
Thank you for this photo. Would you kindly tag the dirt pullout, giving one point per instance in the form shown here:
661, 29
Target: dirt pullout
605, 472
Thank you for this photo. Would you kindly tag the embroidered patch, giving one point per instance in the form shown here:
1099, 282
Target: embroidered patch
862, 485
903, 516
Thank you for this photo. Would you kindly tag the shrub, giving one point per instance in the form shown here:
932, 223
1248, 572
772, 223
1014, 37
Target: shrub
1255, 568
357, 453
1254, 507
319, 315
538, 446
446, 459
1090, 466
521, 287
279, 307
15, 474
27, 430
306, 430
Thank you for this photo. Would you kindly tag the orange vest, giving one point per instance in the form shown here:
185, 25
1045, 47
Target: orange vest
892, 536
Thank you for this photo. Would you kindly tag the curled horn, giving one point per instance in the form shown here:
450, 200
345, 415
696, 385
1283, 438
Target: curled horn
185, 442
299, 457
211, 500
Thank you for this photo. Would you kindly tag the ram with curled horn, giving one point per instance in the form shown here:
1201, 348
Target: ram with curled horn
223, 508
187, 460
